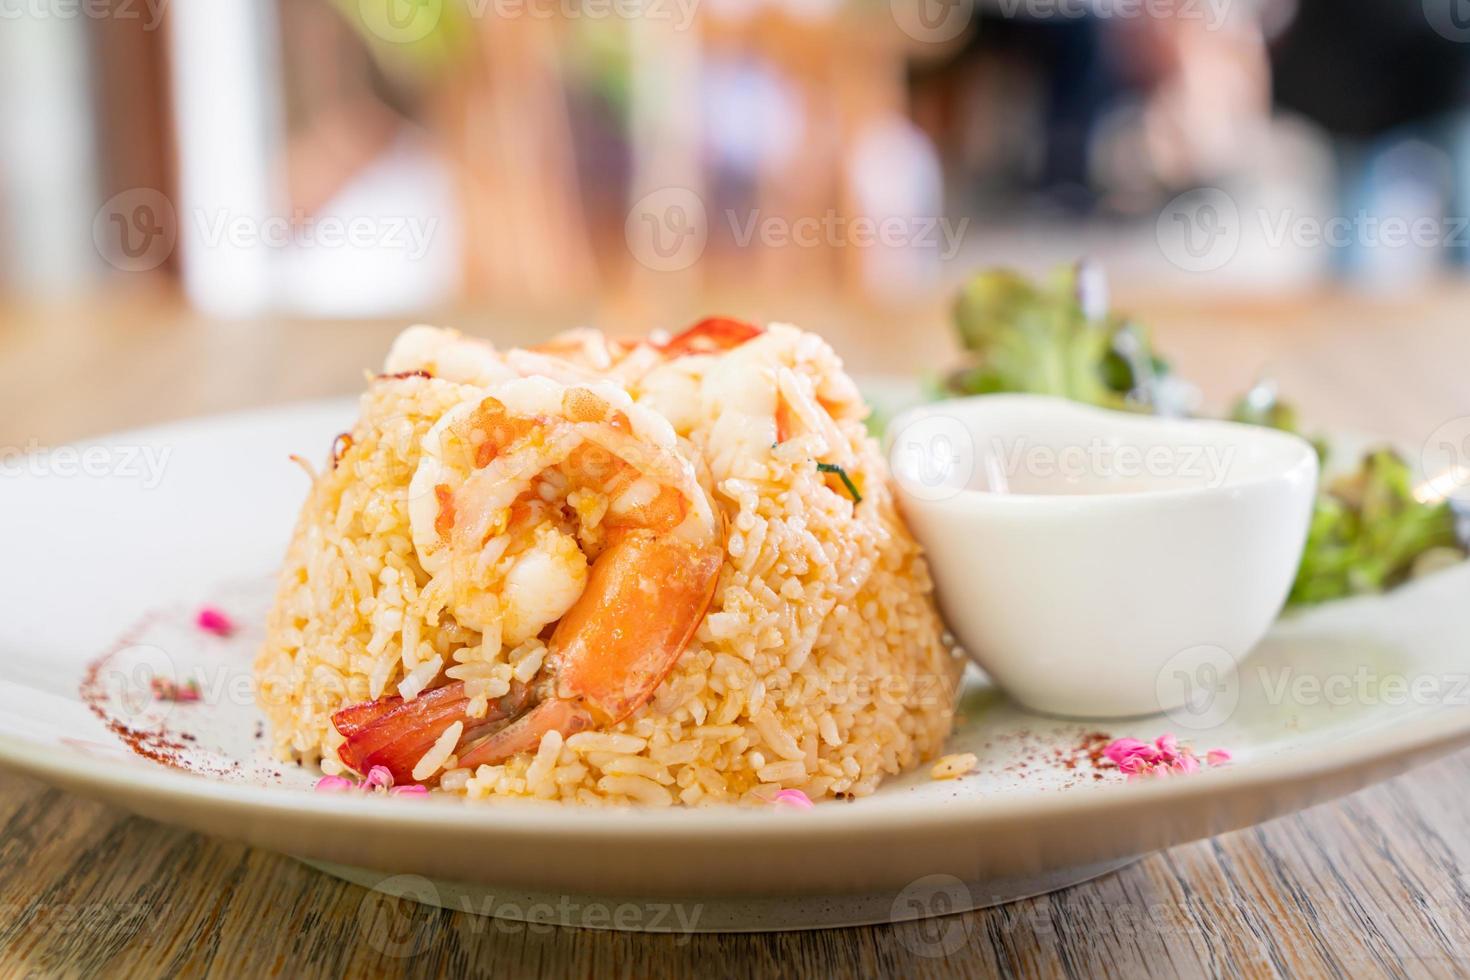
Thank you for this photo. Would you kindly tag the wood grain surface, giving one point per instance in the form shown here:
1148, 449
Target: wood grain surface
1374, 885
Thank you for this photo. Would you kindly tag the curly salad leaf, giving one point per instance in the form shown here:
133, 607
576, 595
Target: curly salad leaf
1370, 532
1051, 338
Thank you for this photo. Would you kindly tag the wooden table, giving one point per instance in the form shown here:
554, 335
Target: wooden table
1375, 884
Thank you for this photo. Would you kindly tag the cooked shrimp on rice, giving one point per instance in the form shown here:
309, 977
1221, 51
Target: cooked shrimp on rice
609, 571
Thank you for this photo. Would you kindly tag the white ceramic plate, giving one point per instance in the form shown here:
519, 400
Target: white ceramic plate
102, 553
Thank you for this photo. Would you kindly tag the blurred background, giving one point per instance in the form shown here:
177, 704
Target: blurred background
621, 160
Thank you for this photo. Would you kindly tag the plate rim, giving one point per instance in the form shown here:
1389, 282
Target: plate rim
1442, 731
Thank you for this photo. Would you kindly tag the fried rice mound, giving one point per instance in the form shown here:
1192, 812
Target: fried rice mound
821, 664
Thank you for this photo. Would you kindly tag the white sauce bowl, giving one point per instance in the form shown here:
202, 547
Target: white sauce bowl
1101, 564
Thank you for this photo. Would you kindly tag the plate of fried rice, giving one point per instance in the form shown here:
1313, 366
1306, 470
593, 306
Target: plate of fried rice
623, 617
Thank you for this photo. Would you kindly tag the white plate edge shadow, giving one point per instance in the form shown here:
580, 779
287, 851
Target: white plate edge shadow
935, 895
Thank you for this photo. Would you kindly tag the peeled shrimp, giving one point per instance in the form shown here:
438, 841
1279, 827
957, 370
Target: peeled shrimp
447, 354
544, 503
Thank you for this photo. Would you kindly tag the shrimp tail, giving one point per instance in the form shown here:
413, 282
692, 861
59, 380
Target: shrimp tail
395, 733
712, 335
524, 734
646, 597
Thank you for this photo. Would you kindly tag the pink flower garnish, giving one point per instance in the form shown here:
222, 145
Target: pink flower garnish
212, 620
378, 777
378, 780
334, 784
1122, 752
1165, 756
794, 799
409, 791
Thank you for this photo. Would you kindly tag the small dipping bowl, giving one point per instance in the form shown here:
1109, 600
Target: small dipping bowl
1103, 564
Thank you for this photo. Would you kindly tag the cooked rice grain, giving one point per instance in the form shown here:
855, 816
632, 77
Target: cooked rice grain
820, 666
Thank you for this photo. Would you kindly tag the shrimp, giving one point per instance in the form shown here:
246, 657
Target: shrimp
539, 503
585, 354
765, 391
447, 354
746, 395
673, 370
574, 357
